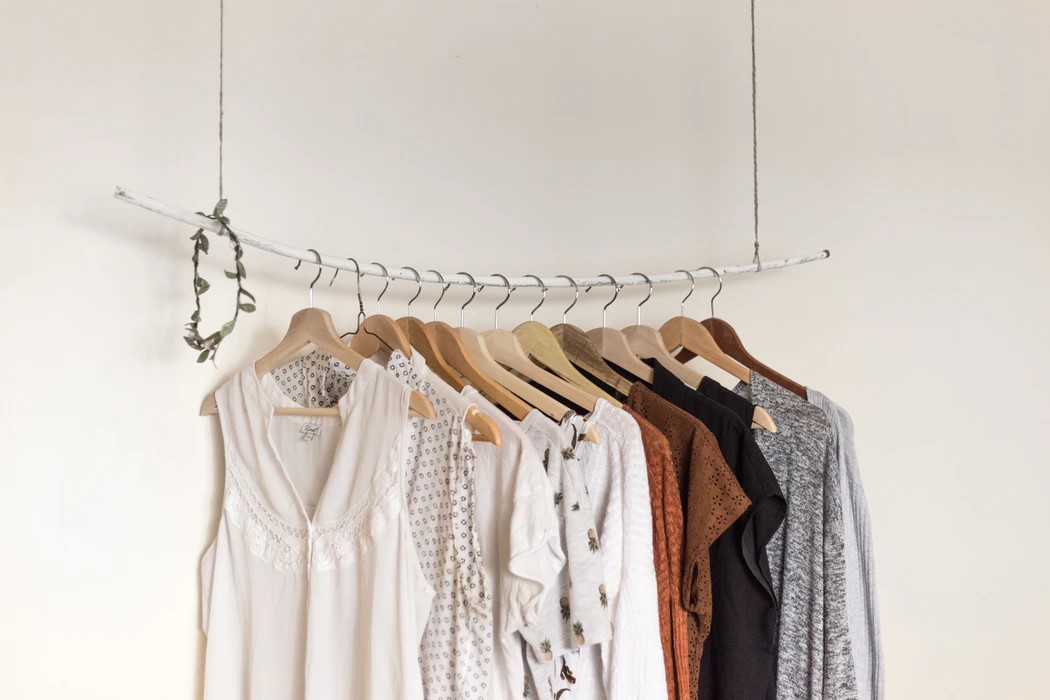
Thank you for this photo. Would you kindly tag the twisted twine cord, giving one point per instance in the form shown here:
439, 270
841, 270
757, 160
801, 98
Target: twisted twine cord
757, 260
222, 32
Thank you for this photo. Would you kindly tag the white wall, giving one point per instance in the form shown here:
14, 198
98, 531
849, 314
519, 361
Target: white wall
910, 138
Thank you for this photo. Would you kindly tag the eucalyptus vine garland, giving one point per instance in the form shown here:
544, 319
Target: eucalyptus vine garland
209, 346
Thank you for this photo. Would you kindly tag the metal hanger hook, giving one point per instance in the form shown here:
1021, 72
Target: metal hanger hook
419, 287
542, 299
473, 293
692, 288
510, 290
386, 276
444, 288
360, 301
719, 276
577, 288
647, 296
616, 292
317, 277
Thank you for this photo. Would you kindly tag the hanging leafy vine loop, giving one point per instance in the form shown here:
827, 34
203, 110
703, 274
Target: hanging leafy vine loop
207, 347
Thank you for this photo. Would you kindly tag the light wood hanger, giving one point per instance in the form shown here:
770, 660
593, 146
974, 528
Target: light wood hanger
376, 332
612, 343
581, 351
452, 349
689, 334
729, 342
312, 325
484, 428
422, 339
462, 360
541, 347
647, 344
507, 351
478, 349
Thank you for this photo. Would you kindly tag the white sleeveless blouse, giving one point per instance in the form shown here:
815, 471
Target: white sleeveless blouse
312, 589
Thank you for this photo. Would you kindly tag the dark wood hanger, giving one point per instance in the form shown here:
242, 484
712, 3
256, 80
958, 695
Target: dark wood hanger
726, 337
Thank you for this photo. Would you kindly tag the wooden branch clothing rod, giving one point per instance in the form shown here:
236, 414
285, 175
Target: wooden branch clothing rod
399, 273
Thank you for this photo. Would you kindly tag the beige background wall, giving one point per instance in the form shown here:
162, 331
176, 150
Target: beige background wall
910, 138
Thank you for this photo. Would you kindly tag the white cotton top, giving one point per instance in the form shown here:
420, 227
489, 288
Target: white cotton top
455, 653
312, 589
520, 541
629, 666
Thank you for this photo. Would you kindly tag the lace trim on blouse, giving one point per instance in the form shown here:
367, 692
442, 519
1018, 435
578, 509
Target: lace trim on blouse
284, 546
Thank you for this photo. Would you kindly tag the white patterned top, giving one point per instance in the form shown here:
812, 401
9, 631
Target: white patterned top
576, 611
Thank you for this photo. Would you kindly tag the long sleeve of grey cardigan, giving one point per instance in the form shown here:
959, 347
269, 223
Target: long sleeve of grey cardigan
861, 598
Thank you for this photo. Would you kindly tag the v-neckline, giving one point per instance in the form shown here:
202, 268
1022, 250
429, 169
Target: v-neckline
270, 397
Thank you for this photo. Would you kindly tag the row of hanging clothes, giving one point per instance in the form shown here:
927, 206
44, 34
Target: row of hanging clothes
441, 513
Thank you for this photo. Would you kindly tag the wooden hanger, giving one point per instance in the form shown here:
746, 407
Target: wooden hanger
540, 346
460, 359
315, 326
376, 332
729, 342
478, 349
507, 351
451, 348
422, 339
581, 351
726, 337
647, 344
504, 347
391, 334
612, 343
689, 334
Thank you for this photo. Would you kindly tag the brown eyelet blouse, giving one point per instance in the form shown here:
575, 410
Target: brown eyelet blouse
711, 500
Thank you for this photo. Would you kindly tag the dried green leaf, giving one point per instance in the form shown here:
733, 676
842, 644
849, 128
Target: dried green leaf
220, 207
203, 356
248, 294
195, 316
230, 275
240, 269
203, 243
192, 342
200, 232
202, 285
226, 329
247, 308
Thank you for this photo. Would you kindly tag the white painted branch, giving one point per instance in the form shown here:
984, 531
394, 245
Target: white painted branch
400, 273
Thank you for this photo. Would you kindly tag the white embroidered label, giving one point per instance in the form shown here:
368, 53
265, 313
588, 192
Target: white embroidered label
309, 431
